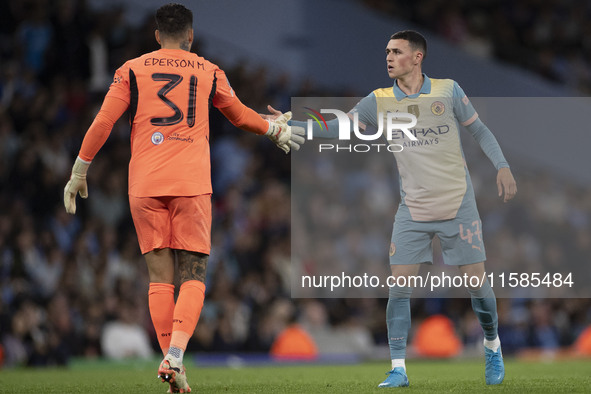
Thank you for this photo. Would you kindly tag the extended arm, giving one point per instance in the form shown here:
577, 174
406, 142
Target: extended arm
331, 130
245, 118
366, 110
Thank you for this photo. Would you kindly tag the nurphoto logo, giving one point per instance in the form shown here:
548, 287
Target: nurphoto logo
399, 123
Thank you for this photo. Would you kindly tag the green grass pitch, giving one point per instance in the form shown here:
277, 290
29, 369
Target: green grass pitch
465, 376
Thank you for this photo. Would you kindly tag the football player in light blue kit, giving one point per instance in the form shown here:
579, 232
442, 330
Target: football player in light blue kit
437, 197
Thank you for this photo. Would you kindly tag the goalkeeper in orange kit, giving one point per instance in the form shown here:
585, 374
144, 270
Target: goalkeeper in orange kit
168, 93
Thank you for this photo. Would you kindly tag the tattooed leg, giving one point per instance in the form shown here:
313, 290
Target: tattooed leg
192, 265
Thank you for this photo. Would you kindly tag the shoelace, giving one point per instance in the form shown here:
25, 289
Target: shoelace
494, 357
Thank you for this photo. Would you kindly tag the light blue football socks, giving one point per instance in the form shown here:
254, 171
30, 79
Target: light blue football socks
398, 320
484, 305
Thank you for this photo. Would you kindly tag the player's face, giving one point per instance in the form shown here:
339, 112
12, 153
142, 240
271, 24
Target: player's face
400, 58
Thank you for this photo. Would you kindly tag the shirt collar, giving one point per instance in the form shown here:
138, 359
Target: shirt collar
425, 89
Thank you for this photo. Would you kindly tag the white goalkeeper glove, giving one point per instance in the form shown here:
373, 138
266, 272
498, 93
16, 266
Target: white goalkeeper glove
76, 184
280, 132
297, 137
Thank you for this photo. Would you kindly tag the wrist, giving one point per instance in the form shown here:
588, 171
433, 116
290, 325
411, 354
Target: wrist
269, 128
80, 167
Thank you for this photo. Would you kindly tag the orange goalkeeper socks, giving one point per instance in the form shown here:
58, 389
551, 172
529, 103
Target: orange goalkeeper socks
161, 305
186, 313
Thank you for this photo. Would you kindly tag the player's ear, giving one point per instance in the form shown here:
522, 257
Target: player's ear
190, 35
157, 35
419, 57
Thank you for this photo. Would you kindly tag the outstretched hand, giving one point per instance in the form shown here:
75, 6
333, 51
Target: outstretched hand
280, 132
296, 133
506, 183
274, 114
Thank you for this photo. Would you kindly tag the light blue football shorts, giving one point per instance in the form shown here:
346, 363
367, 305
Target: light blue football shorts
460, 238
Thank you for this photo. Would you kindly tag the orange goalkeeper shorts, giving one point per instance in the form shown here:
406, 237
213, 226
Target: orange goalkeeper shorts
174, 222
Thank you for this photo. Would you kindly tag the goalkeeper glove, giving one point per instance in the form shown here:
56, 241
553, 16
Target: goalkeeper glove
297, 137
76, 184
280, 132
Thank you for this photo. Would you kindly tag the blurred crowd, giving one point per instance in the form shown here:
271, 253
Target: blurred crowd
67, 283
549, 37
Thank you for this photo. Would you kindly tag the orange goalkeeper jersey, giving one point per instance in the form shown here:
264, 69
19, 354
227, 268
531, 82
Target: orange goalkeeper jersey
169, 92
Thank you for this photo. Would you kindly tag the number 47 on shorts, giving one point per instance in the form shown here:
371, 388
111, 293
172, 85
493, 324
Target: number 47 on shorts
469, 233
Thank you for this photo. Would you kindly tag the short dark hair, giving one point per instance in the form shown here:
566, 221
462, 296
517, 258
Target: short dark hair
415, 39
173, 19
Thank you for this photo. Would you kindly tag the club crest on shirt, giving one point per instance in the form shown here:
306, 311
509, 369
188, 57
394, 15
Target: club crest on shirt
413, 109
438, 108
157, 138
392, 249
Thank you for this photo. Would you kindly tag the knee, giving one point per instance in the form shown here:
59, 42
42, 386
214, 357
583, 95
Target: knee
399, 292
484, 291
